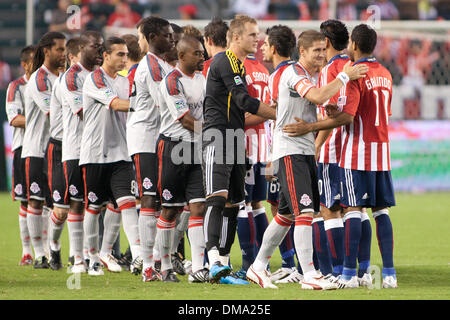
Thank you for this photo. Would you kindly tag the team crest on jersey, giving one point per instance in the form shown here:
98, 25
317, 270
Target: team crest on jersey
56, 195
92, 197
18, 189
35, 187
238, 80
305, 200
167, 195
147, 183
73, 190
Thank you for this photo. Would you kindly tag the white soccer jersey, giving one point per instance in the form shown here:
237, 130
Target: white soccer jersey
181, 94
37, 108
288, 85
14, 107
55, 116
143, 124
104, 138
72, 88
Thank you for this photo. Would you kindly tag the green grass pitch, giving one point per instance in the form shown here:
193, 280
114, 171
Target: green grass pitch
421, 256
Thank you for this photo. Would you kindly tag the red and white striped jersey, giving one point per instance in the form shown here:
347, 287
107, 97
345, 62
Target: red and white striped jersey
366, 139
257, 78
331, 149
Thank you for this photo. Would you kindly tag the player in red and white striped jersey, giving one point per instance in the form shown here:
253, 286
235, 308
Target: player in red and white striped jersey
365, 175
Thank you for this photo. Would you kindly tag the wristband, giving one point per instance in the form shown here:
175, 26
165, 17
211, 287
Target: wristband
343, 77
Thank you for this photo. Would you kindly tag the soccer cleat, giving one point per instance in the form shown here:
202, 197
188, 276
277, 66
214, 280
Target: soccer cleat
177, 264
293, 277
281, 273
233, 279
332, 278
261, 278
366, 281
125, 262
55, 260
317, 283
199, 276
242, 274
96, 269
136, 266
348, 284
41, 263
78, 268
389, 282
187, 264
169, 276
218, 271
26, 260
150, 274
110, 263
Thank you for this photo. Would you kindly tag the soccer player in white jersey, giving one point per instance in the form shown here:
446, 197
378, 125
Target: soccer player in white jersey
297, 96
56, 177
49, 58
143, 130
72, 114
107, 168
180, 179
15, 110
365, 160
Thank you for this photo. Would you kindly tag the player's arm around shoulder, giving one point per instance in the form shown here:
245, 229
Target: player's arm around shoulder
349, 73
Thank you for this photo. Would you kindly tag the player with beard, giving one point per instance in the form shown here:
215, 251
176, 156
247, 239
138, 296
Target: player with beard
15, 110
143, 131
72, 121
49, 58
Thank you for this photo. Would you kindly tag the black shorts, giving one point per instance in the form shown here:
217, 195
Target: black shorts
299, 192
36, 178
74, 180
19, 181
55, 173
181, 182
220, 176
145, 167
107, 182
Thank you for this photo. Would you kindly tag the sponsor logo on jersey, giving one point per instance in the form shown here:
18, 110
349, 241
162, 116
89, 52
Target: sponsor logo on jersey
47, 101
77, 100
147, 183
92, 197
56, 195
73, 190
180, 104
108, 92
238, 80
167, 195
305, 200
18, 189
35, 187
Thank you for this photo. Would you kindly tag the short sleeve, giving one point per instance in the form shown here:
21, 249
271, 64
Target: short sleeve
97, 89
349, 98
176, 102
14, 103
41, 99
298, 81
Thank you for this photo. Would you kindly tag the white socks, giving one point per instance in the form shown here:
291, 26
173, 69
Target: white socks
111, 229
273, 236
34, 222
130, 221
24, 234
197, 242
147, 234
56, 226
91, 229
165, 237
75, 227
304, 244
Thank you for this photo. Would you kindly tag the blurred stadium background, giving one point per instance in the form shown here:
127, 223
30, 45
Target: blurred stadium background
414, 44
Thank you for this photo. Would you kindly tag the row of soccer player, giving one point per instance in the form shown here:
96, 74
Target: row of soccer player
100, 145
